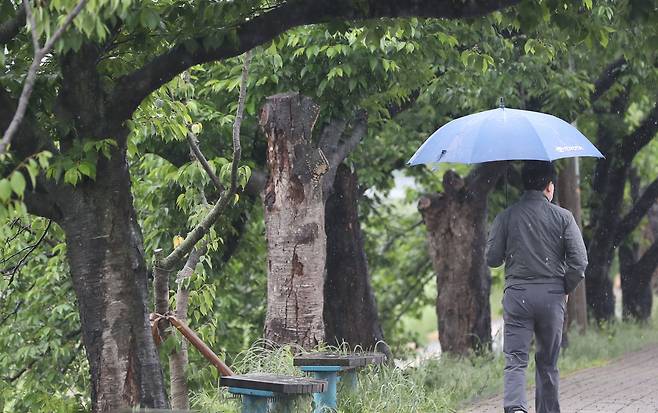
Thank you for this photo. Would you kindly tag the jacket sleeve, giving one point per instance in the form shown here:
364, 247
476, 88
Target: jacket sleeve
575, 255
497, 242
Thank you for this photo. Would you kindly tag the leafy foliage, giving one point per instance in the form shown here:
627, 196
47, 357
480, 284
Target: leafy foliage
39, 322
542, 55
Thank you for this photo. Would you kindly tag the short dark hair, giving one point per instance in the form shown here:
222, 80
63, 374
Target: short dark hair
537, 174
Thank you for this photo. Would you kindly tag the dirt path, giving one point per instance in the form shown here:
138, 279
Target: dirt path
628, 384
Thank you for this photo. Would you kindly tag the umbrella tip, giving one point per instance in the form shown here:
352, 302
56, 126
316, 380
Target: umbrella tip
501, 103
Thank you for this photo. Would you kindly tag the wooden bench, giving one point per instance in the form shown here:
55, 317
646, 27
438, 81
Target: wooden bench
328, 366
262, 393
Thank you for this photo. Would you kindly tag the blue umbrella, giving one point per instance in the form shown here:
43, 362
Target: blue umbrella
504, 134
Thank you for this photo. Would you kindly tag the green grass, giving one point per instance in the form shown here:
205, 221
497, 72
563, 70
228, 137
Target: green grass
443, 385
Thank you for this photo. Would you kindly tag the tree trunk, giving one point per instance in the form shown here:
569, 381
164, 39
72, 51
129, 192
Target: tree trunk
294, 219
350, 309
105, 253
569, 194
606, 209
456, 221
652, 234
637, 297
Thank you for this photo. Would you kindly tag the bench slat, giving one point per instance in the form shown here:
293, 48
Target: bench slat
337, 359
275, 383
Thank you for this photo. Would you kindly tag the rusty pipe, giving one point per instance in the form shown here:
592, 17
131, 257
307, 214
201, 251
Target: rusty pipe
191, 336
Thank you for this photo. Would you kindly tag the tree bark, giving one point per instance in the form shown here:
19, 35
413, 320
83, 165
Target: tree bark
105, 253
456, 221
178, 363
637, 297
350, 308
634, 261
652, 230
178, 359
637, 264
606, 208
294, 220
569, 194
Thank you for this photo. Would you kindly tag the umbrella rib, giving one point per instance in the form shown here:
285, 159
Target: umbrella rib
548, 157
470, 159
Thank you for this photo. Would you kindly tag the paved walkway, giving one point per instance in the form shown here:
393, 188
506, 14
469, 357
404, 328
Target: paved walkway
626, 385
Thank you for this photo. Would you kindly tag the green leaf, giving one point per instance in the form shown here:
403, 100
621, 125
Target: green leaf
447, 39
465, 56
149, 18
33, 170
17, 181
72, 176
88, 169
277, 60
603, 38
588, 4
196, 128
5, 190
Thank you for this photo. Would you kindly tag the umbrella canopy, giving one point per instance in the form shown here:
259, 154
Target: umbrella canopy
504, 134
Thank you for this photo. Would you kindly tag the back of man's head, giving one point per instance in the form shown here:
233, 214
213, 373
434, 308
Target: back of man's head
537, 174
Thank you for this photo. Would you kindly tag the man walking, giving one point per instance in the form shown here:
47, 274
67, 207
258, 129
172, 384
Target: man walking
545, 259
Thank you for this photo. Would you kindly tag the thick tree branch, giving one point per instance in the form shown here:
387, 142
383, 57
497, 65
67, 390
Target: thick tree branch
640, 137
337, 151
39, 201
483, 178
608, 78
134, 87
648, 263
629, 222
359, 130
330, 136
11, 27
194, 236
30, 79
341, 150
395, 109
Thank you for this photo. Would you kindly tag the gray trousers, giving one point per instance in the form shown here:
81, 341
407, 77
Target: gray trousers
533, 309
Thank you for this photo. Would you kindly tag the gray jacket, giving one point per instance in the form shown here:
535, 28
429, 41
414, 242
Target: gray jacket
539, 243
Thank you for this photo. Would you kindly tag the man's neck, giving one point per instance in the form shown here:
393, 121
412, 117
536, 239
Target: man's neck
535, 194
